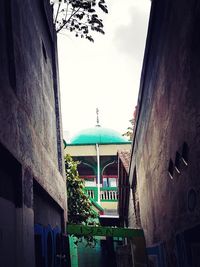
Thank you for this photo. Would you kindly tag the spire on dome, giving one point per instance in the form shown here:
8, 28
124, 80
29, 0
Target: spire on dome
97, 112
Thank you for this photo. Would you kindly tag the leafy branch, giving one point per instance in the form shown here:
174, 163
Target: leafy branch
130, 130
79, 16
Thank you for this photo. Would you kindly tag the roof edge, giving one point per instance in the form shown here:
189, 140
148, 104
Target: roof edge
89, 144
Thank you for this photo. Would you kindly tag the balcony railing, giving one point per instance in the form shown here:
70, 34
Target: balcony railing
107, 194
91, 193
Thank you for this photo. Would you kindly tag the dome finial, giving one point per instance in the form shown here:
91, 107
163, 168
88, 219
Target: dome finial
97, 112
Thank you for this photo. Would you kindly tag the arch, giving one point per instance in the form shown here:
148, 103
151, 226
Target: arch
109, 168
85, 168
109, 174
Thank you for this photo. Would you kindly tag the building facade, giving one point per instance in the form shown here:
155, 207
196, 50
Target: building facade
96, 150
32, 182
164, 173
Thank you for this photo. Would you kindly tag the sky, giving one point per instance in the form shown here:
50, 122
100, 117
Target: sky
106, 73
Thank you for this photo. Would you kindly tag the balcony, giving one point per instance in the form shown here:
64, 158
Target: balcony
107, 194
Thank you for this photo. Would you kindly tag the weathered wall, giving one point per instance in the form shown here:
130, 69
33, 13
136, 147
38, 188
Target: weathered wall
90, 150
30, 131
28, 108
167, 130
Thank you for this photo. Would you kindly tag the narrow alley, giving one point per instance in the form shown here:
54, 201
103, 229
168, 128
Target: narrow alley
99, 199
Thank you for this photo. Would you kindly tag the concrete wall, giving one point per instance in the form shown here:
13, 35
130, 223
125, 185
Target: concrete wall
109, 206
30, 132
167, 206
90, 150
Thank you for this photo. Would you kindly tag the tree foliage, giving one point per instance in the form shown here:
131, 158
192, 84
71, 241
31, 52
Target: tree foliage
79, 205
130, 130
79, 16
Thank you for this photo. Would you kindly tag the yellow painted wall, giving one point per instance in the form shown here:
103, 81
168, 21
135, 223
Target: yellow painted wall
109, 205
90, 150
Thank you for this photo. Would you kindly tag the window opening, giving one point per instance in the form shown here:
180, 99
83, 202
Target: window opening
171, 169
185, 153
177, 162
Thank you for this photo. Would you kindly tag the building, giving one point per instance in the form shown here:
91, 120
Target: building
124, 256
164, 171
132, 252
32, 182
96, 150
124, 157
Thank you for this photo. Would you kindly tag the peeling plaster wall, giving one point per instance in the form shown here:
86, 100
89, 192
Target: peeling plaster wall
168, 116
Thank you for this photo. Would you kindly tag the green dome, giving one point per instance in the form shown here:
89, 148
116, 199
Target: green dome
98, 135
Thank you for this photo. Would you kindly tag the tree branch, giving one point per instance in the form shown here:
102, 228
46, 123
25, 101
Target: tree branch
67, 20
66, 10
57, 12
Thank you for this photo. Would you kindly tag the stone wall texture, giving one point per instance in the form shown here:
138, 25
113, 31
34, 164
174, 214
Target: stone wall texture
164, 175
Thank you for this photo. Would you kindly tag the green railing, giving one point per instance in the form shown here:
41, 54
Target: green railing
92, 192
107, 194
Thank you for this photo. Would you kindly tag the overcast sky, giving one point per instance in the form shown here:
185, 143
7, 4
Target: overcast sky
106, 73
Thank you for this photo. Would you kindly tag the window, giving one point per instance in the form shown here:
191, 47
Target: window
171, 169
109, 182
112, 182
185, 153
177, 162
105, 182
